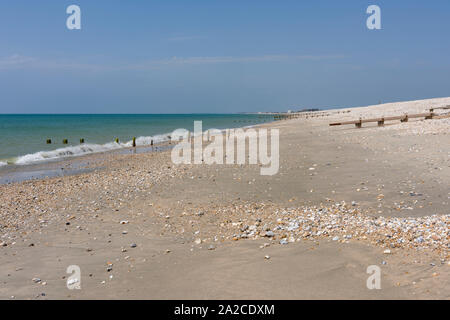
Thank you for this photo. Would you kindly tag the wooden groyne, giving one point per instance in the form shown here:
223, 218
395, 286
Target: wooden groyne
440, 108
403, 118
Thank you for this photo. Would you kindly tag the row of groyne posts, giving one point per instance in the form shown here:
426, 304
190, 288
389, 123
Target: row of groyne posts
66, 141
262, 118
403, 118
302, 114
189, 138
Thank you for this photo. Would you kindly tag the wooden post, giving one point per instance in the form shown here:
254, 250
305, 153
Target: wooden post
405, 119
359, 124
381, 122
81, 140
65, 141
134, 142
117, 140
49, 141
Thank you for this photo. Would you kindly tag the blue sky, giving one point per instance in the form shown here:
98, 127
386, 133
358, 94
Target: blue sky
219, 56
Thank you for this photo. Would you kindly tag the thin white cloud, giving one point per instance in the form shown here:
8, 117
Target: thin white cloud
230, 59
15, 61
23, 62
186, 38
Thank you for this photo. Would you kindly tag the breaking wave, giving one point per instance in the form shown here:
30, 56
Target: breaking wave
82, 149
89, 148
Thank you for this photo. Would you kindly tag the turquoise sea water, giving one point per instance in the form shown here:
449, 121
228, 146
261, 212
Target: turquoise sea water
23, 137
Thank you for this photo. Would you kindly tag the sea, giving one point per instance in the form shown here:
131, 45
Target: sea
24, 138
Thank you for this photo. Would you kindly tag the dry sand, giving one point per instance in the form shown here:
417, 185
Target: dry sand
201, 231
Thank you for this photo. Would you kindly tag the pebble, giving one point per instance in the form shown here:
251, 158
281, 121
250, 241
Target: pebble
270, 234
420, 239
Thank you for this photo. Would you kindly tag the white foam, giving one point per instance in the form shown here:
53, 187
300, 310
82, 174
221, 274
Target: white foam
145, 141
2, 163
66, 152
82, 149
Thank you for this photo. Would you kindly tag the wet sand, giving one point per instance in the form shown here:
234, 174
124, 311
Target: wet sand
201, 230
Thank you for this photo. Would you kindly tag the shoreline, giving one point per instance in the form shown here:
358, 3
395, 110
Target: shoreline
375, 196
71, 165
53, 167
26, 147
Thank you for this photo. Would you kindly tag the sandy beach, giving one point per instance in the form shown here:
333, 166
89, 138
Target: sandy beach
141, 227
